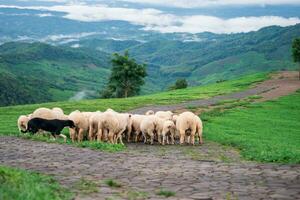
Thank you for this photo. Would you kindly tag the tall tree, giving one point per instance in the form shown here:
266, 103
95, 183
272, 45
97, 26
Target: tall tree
127, 77
296, 52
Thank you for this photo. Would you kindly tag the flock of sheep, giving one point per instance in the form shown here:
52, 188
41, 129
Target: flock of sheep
111, 126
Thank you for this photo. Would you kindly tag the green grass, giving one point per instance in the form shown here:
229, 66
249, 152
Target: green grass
86, 186
85, 144
165, 193
112, 183
266, 132
9, 115
23, 185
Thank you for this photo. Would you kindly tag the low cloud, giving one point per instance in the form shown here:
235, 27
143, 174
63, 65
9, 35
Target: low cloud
157, 20
210, 3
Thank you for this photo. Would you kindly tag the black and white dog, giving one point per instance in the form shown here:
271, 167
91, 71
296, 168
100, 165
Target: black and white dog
54, 126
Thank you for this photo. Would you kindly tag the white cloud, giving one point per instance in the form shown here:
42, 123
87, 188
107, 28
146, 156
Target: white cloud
68, 37
153, 19
207, 3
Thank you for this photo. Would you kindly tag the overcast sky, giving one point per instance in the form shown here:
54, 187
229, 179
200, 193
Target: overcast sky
153, 15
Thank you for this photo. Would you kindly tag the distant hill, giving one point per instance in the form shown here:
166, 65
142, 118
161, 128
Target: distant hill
37, 72
80, 68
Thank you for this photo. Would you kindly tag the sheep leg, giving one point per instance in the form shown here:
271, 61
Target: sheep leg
151, 134
111, 137
136, 136
145, 137
99, 135
182, 134
63, 136
164, 138
80, 135
200, 139
167, 139
91, 133
192, 137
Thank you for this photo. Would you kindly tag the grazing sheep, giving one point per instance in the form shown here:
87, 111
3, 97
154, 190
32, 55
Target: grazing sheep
149, 112
148, 127
164, 114
81, 125
59, 113
54, 126
174, 118
107, 121
22, 123
93, 124
44, 113
186, 124
116, 124
125, 125
168, 131
136, 125
199, 129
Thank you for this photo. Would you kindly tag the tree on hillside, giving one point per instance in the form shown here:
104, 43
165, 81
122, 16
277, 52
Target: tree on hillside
179, 84
126, 77
296, 52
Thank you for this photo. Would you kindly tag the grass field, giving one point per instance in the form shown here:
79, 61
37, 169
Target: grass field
266, 132
9, 115
24, 185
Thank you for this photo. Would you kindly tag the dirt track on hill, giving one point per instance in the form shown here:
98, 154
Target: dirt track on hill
281, 84
200, 172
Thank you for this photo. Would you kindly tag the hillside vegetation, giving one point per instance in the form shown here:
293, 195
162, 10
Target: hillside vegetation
37, 72
266, 132
9, 115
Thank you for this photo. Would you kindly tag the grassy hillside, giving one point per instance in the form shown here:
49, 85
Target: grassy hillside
9, 115
222, 56
267, 132
37, 72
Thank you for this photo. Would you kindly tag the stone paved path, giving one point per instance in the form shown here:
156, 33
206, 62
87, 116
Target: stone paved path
148, 168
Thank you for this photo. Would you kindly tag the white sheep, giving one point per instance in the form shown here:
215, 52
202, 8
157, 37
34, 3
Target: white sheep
148, 125
116, 124
93, 125
59, 113
168, 131
22, 122
164, 114
44, 113
186, 124
81, 125
149, 112
136, 125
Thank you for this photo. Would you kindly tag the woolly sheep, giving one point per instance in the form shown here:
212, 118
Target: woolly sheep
199, 129
186, 124
136, 125
115, 123
149, 112
81, 125
168, 131
93, 124
148, 127
22, 123
59, 113
164, 114
44, 113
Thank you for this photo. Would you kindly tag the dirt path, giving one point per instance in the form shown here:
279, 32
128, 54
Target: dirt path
143, 170
281, 84
210, 171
